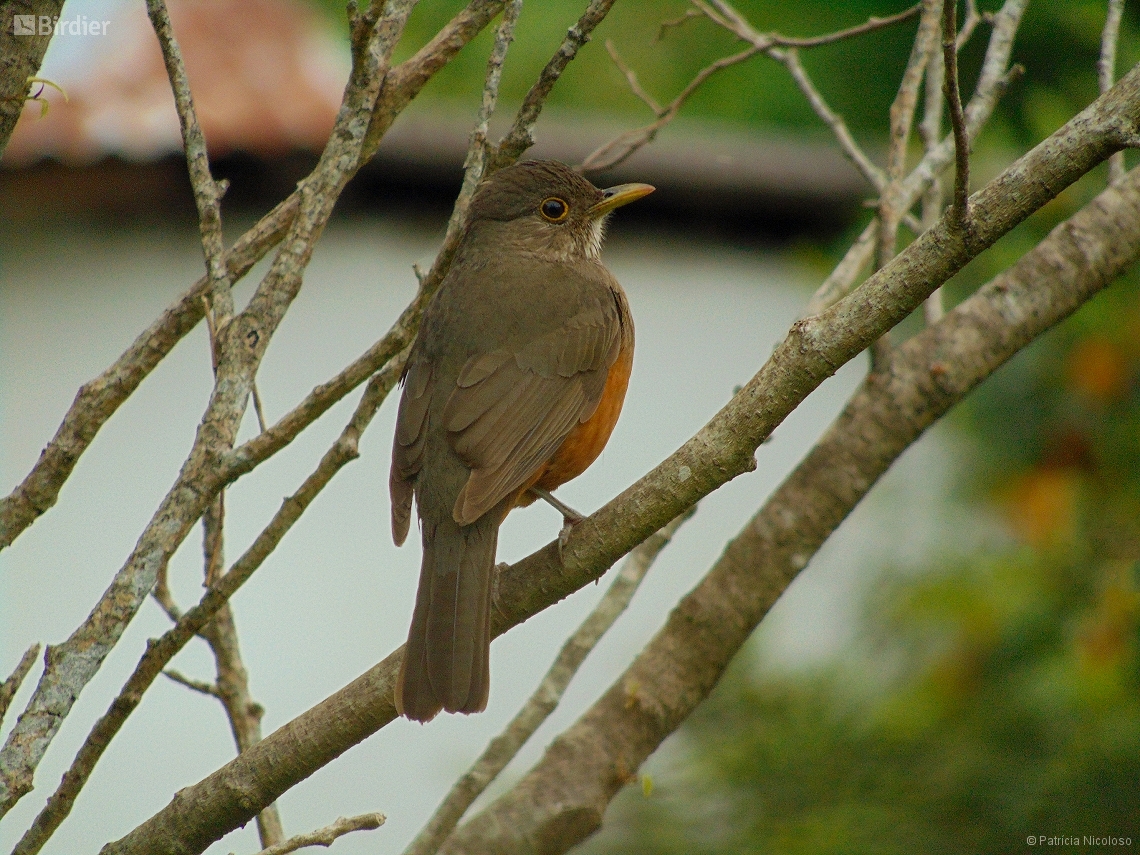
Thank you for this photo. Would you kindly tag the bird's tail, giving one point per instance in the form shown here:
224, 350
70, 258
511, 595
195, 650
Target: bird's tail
446, 661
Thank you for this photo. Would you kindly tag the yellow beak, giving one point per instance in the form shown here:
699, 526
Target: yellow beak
615, 197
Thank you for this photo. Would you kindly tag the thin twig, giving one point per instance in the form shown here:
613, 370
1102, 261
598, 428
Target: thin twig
520, 137
200, 686
327, 836
478, 150
843, 278
930, 130
257, 408
619, 149
730, 18
957, 119
890, 210
164, 597
631, 79
503, 748
231, 682
1106, 71
969, 23
906, 100
672, 23
791, 60
12, 685
242, 711
207, 192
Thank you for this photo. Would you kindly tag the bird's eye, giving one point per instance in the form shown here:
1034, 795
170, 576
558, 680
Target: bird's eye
554, 209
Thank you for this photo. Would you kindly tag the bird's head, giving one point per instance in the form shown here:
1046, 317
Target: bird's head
545, 208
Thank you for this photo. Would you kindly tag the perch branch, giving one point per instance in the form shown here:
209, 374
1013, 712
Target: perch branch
504, 747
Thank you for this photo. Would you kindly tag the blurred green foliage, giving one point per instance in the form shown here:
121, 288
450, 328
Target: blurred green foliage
1057, 44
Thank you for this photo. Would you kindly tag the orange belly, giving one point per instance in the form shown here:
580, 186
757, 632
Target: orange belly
585, 442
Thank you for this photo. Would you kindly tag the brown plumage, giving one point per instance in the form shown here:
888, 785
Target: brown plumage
516, 381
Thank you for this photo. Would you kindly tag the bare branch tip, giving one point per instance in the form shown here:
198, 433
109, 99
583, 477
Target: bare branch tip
674, 23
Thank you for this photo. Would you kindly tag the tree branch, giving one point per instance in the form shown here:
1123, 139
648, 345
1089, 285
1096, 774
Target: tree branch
562, 799
20, 59
813, 350
954, 102
1106, 69
930, 130
207, 192
12, 685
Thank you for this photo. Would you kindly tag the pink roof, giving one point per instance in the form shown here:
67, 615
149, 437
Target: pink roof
267, 78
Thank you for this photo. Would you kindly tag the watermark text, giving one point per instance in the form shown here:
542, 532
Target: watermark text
54, 25
1078, 840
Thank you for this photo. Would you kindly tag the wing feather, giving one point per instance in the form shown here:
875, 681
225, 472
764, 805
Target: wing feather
408, 446
507, 416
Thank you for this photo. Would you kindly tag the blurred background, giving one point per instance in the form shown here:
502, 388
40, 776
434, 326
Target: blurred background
957, 669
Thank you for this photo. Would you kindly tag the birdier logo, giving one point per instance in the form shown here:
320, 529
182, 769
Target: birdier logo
54, 25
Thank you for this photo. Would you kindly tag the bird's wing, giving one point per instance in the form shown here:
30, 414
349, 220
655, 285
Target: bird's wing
408, 445
511, 410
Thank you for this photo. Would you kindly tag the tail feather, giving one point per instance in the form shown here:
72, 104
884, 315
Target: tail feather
446, 661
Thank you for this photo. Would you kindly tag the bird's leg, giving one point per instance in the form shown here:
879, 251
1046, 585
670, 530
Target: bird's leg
570, 517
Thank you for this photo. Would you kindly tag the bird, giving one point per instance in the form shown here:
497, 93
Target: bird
512, 387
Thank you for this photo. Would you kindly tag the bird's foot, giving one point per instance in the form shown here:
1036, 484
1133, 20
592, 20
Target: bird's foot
564, 533
570, 517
